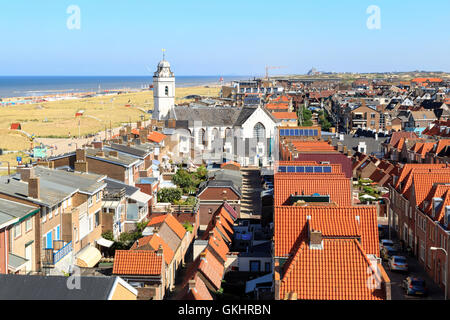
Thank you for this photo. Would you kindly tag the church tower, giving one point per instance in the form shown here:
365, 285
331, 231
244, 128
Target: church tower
163, 91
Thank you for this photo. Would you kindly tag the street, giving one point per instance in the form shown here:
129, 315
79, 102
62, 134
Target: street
415, 269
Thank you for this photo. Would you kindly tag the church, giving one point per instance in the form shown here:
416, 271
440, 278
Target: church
218, 134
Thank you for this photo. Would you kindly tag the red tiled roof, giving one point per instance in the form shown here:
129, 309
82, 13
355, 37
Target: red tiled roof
172, 222
396, 136
285, 115
423, 183
209, 266
335, 185
218, 245
137, 262
153, 242
406, 170
230, 163
291, 226
199, 292
339, 271
156, 136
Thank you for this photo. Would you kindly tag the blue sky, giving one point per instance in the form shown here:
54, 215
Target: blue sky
211, 37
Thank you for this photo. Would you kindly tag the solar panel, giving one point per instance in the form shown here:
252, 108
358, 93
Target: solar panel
301, 132
296, 132
316, 133
326, 169
292, 132
282, 169
309, 169
282, 132
318, 170
311, 133
300, 169
306, 133
291, 169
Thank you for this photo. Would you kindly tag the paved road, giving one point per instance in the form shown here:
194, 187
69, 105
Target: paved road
415, 269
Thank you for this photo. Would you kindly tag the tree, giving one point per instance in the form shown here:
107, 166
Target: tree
202, 173
169, 195
184, 180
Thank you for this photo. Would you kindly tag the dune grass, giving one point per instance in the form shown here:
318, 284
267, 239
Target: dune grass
57, 119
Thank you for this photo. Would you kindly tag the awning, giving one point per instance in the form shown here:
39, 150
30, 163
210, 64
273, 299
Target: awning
141, 197
15, 262
89, 257
104, 243
252, 284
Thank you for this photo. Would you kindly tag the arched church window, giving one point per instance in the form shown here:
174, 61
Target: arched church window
259, 131
202, 137
167, 90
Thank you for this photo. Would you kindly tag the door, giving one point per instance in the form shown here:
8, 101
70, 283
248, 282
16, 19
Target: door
29, 257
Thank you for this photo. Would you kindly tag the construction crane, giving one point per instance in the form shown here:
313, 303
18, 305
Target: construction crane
272, 67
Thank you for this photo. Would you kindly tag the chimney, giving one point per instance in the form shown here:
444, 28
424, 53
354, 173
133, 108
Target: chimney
114, 154
26, 173
344, 150
100, 154
143, 133
160, 251
98, 144
34, 188
143, 174
122, 132
81, 166
128, 130
203, 256
81, 155
191, 284
315, 237
139, 124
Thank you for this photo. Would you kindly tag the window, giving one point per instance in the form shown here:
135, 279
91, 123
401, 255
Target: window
69, 202
44, 214
97, 218
28, 224
259, 131
372, 115
90, 202
422, 251
166, 90
268, 267
50, 212
255, 266
65, 204
201, 137
98, 196
17, 230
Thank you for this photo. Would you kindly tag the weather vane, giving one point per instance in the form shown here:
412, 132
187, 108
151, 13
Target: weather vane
164, 54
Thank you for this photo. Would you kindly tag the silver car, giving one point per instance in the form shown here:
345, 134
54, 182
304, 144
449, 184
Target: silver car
398, 263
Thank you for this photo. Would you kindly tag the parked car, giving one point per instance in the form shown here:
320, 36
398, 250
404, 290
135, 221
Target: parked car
415, 286
387, 253
386, 243
398, 263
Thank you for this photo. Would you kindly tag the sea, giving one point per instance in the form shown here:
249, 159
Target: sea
28, 86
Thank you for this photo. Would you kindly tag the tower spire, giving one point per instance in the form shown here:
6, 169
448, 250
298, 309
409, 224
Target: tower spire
164, 54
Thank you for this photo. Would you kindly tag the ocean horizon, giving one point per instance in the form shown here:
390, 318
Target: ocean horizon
27, 86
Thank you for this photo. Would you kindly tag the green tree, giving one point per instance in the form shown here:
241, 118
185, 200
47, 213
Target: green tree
184, 180
169, 195
201, 173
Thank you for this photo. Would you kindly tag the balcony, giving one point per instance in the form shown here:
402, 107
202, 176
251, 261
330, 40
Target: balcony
52, 256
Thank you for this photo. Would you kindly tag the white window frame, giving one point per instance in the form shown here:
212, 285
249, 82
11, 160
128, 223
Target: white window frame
90, 201
30, 221
18, 227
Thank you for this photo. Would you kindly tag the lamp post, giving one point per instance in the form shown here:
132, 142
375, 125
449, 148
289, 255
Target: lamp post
446, 272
